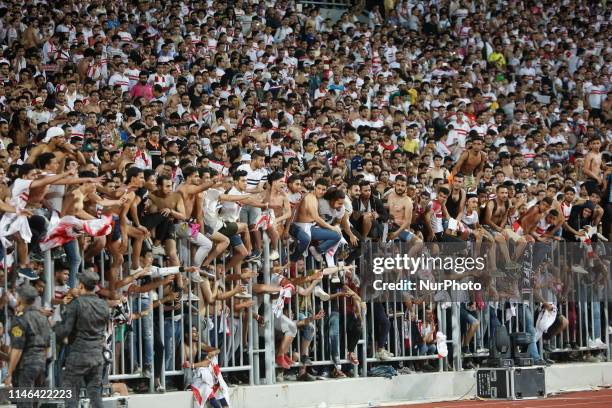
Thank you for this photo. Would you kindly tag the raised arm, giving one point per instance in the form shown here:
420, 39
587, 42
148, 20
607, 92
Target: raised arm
48, 180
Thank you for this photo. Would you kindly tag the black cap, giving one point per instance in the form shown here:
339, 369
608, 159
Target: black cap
27, 292
88, 278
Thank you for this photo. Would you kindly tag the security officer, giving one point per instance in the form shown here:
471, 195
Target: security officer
30, 342
84, 322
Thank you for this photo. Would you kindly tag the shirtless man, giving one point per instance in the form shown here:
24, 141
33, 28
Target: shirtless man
400, 210
29, 179
127, 156
74, 200
592, 166
118, 242
531, 221
312, 225
50, 195
184, 201
55, 142
495, 221
74, 204
278, 201
193, 191
537, 223
551, 191
169, 204
506, 164
471, 164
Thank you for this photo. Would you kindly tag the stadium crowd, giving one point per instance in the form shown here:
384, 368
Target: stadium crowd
205, 134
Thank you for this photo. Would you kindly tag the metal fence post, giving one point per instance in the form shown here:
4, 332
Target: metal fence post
47, 296
268, 317
456, 328
162, 376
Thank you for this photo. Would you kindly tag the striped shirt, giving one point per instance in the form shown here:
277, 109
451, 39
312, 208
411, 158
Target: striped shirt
254, 177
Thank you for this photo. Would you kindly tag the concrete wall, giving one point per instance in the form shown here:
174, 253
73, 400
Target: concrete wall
359, 392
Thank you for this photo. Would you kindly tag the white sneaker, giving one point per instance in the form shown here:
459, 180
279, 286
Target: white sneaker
158, 250
591, 343
315, 254
579, 269
196, 278
383, 355
244, 295
274, 255
321, 294
599, 344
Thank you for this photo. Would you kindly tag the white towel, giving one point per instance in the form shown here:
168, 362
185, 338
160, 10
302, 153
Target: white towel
545, 320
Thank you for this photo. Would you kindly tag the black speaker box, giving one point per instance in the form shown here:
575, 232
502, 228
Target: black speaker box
511, 383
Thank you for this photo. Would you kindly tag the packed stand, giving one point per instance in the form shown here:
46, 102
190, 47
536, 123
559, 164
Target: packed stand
211, 162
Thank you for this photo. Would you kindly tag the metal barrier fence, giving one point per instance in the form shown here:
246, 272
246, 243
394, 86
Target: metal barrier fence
161, 340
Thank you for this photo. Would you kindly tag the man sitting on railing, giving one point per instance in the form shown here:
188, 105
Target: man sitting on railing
495, 222
546, 290
310, 222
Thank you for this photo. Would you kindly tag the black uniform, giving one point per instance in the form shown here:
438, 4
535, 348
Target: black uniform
84, 322
31, 333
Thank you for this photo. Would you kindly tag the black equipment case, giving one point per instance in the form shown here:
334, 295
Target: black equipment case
512, 383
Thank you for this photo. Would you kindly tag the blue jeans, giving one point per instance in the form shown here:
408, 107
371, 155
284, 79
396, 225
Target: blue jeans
529, 328
302, 241
307, 331
138, 305
172, 340
327, 238
405, 236
427, 349
494, 322
334, 334
382, 325
589, 292
74, 261
596, 310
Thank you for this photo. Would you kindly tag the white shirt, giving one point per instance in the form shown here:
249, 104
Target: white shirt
597, 94
211, 209
230, 210
119, 79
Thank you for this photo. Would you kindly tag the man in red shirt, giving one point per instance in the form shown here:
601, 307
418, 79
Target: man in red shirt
142, 88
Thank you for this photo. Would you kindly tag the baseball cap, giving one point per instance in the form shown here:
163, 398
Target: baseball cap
54, 131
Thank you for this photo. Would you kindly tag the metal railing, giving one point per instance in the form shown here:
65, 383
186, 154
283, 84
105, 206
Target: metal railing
248, 347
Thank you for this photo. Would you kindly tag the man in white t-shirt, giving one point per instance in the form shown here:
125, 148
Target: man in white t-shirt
256, 177
231, 205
